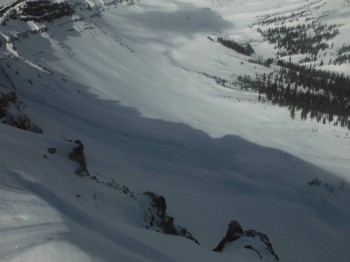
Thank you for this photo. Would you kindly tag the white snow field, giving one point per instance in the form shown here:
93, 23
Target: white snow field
130, 80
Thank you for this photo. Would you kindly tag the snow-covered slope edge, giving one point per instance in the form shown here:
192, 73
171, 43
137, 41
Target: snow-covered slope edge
286, 195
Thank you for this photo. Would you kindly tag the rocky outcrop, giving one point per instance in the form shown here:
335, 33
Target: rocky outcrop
42, 10
158, 220
77, 155
11, 113
234, 232
264, 239
6, 100
5, 8
250, 239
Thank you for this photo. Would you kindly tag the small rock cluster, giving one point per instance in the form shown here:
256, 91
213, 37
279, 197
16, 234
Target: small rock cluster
318, 183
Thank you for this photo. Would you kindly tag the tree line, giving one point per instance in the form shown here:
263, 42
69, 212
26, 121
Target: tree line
300, 39
244, 48
318, 94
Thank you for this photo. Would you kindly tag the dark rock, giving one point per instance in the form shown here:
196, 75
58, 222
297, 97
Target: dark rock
22, 122
315, 182
318, 183
78, 156
263, 238
11, 113
181, 231
235, 232
169, 227
5, 101
52, 150
159, 203
157, 218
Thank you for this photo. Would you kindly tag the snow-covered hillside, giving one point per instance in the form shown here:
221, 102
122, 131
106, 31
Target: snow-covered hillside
120, 98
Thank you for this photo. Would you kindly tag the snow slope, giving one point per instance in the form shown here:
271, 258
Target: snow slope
128, 81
